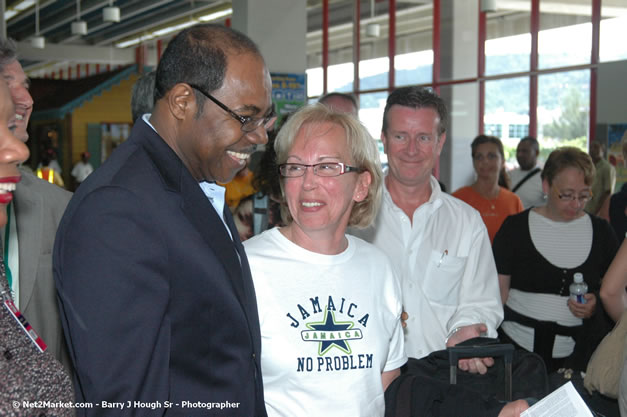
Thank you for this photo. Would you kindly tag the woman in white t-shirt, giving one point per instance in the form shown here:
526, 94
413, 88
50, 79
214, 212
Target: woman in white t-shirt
537, 253
329, 304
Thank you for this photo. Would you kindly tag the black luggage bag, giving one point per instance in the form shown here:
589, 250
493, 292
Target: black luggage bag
432, 386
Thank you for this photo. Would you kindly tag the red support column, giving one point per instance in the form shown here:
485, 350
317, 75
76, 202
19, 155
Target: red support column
533, 78
108, 67
594, 60
159, 49
227, 22
436, 64
325, 45
69, 72
481, 64
140, 57
60, 74
97, 68
435, 76
391, 43
356, 46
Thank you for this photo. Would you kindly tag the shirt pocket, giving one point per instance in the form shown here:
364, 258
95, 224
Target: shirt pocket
443, 278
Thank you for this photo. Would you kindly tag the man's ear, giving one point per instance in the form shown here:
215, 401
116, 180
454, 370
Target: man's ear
384, 140
181, 101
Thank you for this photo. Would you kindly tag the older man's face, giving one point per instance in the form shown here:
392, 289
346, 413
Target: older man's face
18, 86
412, 144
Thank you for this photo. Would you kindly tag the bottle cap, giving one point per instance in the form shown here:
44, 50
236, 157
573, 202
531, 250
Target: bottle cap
578, 277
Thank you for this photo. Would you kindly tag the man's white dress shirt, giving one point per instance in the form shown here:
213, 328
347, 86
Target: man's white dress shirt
444, 259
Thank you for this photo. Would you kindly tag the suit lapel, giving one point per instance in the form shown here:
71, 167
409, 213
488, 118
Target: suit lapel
29, 216
202, 215
194, 204
250, 307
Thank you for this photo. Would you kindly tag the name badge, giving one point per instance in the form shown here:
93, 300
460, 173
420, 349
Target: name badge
25, 325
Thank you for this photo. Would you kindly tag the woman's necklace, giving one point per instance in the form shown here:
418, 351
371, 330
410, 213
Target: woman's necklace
490, 196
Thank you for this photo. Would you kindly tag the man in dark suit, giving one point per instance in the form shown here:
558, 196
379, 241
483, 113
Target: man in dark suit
154, 286
34, 214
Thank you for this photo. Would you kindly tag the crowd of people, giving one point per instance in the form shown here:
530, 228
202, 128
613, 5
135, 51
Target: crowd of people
151, 305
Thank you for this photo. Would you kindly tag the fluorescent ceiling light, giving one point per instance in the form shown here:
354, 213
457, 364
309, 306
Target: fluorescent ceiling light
24, 5
9, 14
174, 28
216, 15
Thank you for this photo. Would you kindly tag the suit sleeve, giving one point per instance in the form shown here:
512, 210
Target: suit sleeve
111, 271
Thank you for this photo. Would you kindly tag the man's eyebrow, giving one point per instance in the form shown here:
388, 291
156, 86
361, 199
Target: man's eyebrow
248, 108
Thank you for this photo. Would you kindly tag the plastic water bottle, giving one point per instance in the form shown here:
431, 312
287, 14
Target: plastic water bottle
578, 288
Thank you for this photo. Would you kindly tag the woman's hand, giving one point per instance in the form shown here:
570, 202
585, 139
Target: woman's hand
583, 311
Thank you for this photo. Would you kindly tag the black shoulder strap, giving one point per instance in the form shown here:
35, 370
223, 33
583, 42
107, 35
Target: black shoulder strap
529, 175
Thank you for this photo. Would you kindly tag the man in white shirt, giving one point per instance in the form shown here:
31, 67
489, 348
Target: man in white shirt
82, 169
526, 179
438, 243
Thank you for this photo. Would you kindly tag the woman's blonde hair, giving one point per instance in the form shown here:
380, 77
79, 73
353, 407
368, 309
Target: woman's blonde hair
363, 150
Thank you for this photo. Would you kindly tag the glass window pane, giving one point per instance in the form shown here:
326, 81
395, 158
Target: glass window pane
371, 108
314, 82
613, 31
413, 63
414, 68
563, 110
507, 113
373, 73
340, 77
374, 64
508, 42
565, 36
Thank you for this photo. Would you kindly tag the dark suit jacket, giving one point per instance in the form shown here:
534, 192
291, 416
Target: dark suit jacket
39, 207
154, 300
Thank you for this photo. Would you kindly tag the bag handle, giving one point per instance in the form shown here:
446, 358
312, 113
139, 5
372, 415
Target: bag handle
481, 349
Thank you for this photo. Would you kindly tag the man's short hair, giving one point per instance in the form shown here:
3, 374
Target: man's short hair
8, 52
198, 55
343, 96
417, 98
143, 95
533, 141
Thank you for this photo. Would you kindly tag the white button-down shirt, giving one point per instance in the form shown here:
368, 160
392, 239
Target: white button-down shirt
445, 262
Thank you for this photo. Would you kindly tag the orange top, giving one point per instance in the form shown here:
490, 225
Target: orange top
493, 212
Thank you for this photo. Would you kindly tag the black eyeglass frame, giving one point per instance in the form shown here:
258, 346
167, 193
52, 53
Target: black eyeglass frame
252, 122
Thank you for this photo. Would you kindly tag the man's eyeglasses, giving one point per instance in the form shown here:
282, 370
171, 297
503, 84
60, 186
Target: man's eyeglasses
248, 123
324, 169
582, 198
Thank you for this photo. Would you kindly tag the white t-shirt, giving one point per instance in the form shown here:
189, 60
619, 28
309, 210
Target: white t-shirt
530, 192
81, 171
330, 325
